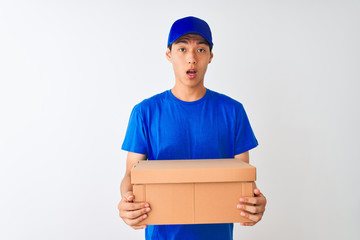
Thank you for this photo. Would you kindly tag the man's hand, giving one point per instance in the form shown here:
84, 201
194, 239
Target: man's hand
132, 213
252, 208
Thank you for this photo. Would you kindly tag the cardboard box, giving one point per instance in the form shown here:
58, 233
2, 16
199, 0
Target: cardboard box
193, 191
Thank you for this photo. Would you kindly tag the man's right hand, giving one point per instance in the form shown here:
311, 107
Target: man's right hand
133, 213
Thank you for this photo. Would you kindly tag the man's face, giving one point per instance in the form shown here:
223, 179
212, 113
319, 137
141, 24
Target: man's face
190, 56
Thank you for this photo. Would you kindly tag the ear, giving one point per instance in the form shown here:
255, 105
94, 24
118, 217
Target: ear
168, 54
211, 56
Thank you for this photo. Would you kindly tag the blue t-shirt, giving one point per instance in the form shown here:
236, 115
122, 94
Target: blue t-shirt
165, 128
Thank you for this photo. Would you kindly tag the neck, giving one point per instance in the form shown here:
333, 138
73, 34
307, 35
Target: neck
188, 94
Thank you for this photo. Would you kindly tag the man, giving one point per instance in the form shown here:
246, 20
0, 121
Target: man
188, 122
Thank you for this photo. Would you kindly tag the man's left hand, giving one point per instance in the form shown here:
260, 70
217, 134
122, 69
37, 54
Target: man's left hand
252, 208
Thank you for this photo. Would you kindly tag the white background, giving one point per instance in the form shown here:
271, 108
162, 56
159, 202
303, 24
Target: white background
71, 71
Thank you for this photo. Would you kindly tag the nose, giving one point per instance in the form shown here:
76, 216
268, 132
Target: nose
192, 58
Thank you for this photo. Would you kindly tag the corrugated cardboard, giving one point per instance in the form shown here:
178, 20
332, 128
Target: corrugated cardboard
193, 191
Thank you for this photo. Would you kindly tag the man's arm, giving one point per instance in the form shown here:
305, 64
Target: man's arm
243, 156
253, 207
132, 213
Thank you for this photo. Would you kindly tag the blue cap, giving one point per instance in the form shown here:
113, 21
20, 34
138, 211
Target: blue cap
189, 25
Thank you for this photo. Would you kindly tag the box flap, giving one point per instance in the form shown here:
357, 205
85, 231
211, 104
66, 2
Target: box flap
192, 171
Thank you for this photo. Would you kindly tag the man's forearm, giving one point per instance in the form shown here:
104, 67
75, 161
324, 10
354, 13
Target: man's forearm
131, 160
125, 185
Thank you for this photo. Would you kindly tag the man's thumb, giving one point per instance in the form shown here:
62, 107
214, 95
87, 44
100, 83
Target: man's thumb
129, 196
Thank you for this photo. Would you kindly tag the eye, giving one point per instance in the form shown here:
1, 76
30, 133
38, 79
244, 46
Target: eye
201, 50
182, 49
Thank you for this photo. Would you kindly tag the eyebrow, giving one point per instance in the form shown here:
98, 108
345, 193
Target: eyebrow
185, 40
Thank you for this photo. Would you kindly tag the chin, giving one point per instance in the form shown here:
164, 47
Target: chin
193, 84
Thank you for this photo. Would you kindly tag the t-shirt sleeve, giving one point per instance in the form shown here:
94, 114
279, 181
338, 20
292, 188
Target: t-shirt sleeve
245, 138
135, 137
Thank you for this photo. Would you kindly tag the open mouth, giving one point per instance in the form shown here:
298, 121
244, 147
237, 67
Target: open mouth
191, 73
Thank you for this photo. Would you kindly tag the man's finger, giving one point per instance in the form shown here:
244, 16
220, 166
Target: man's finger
136, 221
250, 208
134, 206
253, 200
248, 224
254, 217
136, 213
128, 196
137, 227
